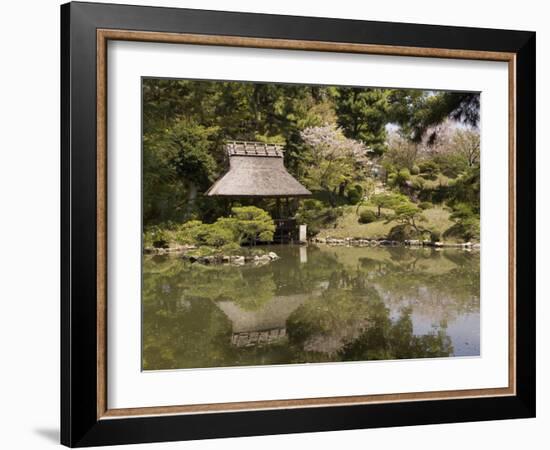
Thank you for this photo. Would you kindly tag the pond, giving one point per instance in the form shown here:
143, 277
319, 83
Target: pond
314, 304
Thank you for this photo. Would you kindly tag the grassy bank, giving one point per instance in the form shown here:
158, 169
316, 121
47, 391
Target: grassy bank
437, 219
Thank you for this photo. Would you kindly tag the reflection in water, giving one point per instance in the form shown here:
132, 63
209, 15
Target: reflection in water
312, 305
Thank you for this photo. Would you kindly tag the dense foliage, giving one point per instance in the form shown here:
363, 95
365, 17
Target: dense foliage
395, 149
245, 225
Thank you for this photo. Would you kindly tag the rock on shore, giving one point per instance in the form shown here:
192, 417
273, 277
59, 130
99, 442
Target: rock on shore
168, 250
364, 242
238, 260
184, 250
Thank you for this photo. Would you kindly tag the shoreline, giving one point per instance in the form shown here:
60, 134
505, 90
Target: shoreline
333, 242
416, 243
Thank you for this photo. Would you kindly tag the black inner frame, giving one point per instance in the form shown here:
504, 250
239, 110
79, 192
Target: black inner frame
79, 423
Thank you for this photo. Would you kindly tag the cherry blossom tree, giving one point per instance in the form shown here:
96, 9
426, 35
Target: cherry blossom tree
332, 158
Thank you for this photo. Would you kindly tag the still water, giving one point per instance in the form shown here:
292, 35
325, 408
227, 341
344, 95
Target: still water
314, 304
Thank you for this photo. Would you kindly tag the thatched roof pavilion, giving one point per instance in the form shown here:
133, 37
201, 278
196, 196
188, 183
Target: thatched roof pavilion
256, 170
264, 325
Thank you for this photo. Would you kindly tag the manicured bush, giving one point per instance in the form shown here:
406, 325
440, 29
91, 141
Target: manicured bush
425, 205
387, 200
390, 178
147, 239
252, 224
367, 216
355, 194
311, 204
467, 230
418, 183
407, 213
466, 223
461, 211
156, 237
440, 194
247, 224
403, 175
451, 164
230, 249
403, 232
470, 229
429, 169
188, 232
218, 235
435, 236
399, 178
465, 189
415, 170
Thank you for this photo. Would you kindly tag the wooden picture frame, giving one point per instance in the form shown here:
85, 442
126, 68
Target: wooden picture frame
86, 418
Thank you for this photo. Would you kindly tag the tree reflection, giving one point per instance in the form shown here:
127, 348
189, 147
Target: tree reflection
395, 340
342, 305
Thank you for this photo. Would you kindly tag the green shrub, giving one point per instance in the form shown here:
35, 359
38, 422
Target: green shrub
231, 225
415, 170
216, 235
367, 216
467, 230
451, 164
461, 211
311, 204
317, 216
390, 178
200, 233
248, 224
425, 205
466, 223
403, 175
355, 194
252, 224
147, 239
418, 183
440, 194
230, 249
435, 236
189, 232
408, 213
465, 189
313, 229
429, 169
387, 200
156, 237
470, 229
403, 232
426, 194
399, 178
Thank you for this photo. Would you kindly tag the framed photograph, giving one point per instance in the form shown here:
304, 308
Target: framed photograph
276, 224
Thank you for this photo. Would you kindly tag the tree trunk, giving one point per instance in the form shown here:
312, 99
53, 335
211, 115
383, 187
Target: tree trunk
191, 198
332, 197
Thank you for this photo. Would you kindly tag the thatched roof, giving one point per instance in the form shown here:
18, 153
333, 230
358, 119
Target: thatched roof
272, 315
256, 170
